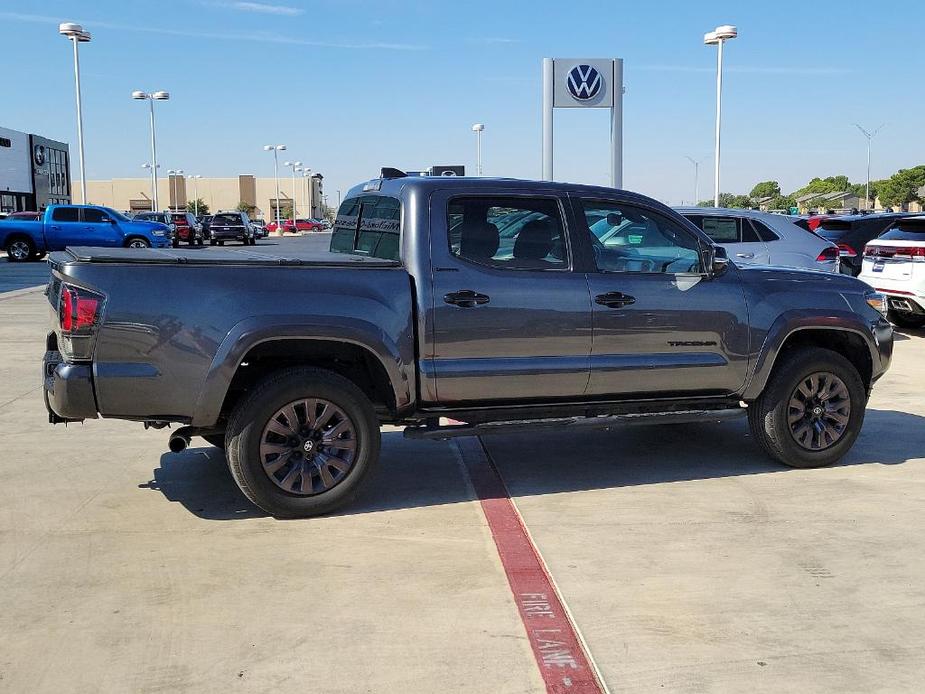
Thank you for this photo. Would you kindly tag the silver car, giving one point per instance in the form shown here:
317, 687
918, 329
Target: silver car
761, 238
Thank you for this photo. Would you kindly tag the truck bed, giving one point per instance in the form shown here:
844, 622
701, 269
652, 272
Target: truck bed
214, 256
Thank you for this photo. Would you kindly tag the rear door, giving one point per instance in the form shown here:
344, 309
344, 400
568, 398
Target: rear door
511, 318
65, 228
737, 235
661, 326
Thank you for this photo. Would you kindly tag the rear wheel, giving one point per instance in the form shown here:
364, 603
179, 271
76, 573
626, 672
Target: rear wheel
221, 243
811, 410
303, 442
905, 320
20, 249
212, 242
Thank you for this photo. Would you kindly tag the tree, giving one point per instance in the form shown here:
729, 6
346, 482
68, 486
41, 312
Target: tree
285, 212
830, 184
765, 189
729, 200
782, 202
197, 206
245, 207
902, 187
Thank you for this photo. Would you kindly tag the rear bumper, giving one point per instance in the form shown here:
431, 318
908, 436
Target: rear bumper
899, 298
68, 389
235, 234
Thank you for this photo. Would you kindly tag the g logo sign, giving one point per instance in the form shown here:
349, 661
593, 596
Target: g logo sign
584, 82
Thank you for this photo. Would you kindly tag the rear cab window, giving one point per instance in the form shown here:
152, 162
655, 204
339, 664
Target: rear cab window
368, 225
65, 214
226, 220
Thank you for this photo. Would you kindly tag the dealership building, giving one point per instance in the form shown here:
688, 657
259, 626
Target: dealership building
34, 171
306, 196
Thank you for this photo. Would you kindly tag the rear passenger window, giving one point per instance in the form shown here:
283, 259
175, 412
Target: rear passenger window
368, 225
65, 214
764, 233
511, 233
722, 229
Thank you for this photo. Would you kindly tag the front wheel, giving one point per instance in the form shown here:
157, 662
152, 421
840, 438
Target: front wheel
905, 320
138, 243
811, 410
302, 443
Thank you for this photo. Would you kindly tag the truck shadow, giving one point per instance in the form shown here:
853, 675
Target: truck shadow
416, 474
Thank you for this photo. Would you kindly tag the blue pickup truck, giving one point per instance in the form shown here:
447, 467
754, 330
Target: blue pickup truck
78, 225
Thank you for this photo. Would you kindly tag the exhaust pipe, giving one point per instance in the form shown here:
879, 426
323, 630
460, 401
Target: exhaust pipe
179, 440
178, 444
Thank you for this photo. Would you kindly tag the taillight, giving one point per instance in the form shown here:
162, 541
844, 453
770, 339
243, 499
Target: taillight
828, 254
78, 310
894, 251
846, 251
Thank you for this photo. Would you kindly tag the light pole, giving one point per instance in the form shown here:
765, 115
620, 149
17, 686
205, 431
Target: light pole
338, 200
76, 34
294, 166
151, 98
870, 136
477, 129
276, 149
173, 185
152, 167
718, 37
306, 184
696, 178
195, 178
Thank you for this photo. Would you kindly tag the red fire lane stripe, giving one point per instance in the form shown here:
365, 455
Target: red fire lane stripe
560, 655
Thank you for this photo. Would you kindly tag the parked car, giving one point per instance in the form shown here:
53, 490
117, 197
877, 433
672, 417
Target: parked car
78, 225
188, 228
231, 226
260, 228
163, 218
24, 216
852, 232
761, 238
894, 264
418, 312
290, 227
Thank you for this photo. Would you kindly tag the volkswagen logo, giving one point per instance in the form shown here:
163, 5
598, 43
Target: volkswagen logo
584, 82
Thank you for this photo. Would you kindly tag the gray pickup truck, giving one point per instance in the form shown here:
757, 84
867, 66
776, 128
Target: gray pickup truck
492, 303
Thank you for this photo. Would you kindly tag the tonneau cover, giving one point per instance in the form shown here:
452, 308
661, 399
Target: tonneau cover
216, 256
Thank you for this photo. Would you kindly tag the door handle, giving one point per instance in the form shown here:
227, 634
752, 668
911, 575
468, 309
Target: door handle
466, 298
747, 256
55, 226
614, 299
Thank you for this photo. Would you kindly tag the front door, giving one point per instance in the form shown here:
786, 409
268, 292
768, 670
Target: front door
661, 325
511, 319
100, 228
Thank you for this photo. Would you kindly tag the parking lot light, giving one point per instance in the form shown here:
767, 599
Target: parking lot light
151, 98
477, 129
195, 178
718, 37
276, 149
696, 177
870, 136
76, 34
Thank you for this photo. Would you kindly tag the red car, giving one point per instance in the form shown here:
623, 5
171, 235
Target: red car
188, 228
291, 227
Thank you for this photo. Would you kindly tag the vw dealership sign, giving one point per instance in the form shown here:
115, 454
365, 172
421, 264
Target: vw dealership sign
584, 83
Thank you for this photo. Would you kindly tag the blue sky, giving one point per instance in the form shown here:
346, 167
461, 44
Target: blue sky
352, 85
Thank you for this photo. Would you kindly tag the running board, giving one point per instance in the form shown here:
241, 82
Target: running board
582, 423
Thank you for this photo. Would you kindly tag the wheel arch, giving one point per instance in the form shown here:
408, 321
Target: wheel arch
371, 362
846, 337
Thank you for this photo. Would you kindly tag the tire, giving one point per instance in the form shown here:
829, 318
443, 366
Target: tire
175, 243
905, 320
213, 242
256, 422
221, 243
20, 249
137, 242
199, 242
40, 255
217, 440
768, 416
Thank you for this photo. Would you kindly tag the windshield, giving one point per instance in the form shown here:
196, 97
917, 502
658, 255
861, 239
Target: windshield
226, 220
115, 215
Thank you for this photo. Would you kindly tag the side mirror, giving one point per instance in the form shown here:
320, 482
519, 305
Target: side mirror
715, 261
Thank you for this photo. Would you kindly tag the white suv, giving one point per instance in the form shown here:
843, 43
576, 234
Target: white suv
894, 264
